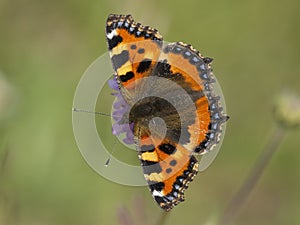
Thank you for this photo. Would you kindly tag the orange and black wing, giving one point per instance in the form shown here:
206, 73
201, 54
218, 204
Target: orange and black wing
134, 50
168, 168
185, 66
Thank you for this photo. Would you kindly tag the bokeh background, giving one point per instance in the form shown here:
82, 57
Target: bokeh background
45, 47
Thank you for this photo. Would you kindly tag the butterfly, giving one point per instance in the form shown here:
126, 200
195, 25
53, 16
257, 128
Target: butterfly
173, 109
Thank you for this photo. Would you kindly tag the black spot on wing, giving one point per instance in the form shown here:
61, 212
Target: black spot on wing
133, 46
120, 59
129, 75
167, 148
114, 42
168, 170
162, 69
156, 186
144, 65
173, 162
141, 50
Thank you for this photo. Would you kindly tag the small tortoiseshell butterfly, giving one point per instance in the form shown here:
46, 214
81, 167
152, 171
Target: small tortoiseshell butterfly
173, 108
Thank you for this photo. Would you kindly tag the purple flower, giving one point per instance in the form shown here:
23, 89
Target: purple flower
113, 84
120, 108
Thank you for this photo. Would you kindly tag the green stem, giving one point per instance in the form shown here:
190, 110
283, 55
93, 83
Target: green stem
243, 193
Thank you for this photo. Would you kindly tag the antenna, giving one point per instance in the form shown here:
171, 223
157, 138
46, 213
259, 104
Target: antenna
102, 114
112, 151
88, 111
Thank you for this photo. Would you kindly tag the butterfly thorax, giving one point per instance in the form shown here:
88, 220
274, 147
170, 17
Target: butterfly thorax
156, 113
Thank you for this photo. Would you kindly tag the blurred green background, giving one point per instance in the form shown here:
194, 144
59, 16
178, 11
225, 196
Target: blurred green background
45, 46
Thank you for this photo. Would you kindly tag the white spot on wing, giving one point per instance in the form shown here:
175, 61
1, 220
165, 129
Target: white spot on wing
157, 193
111, 34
